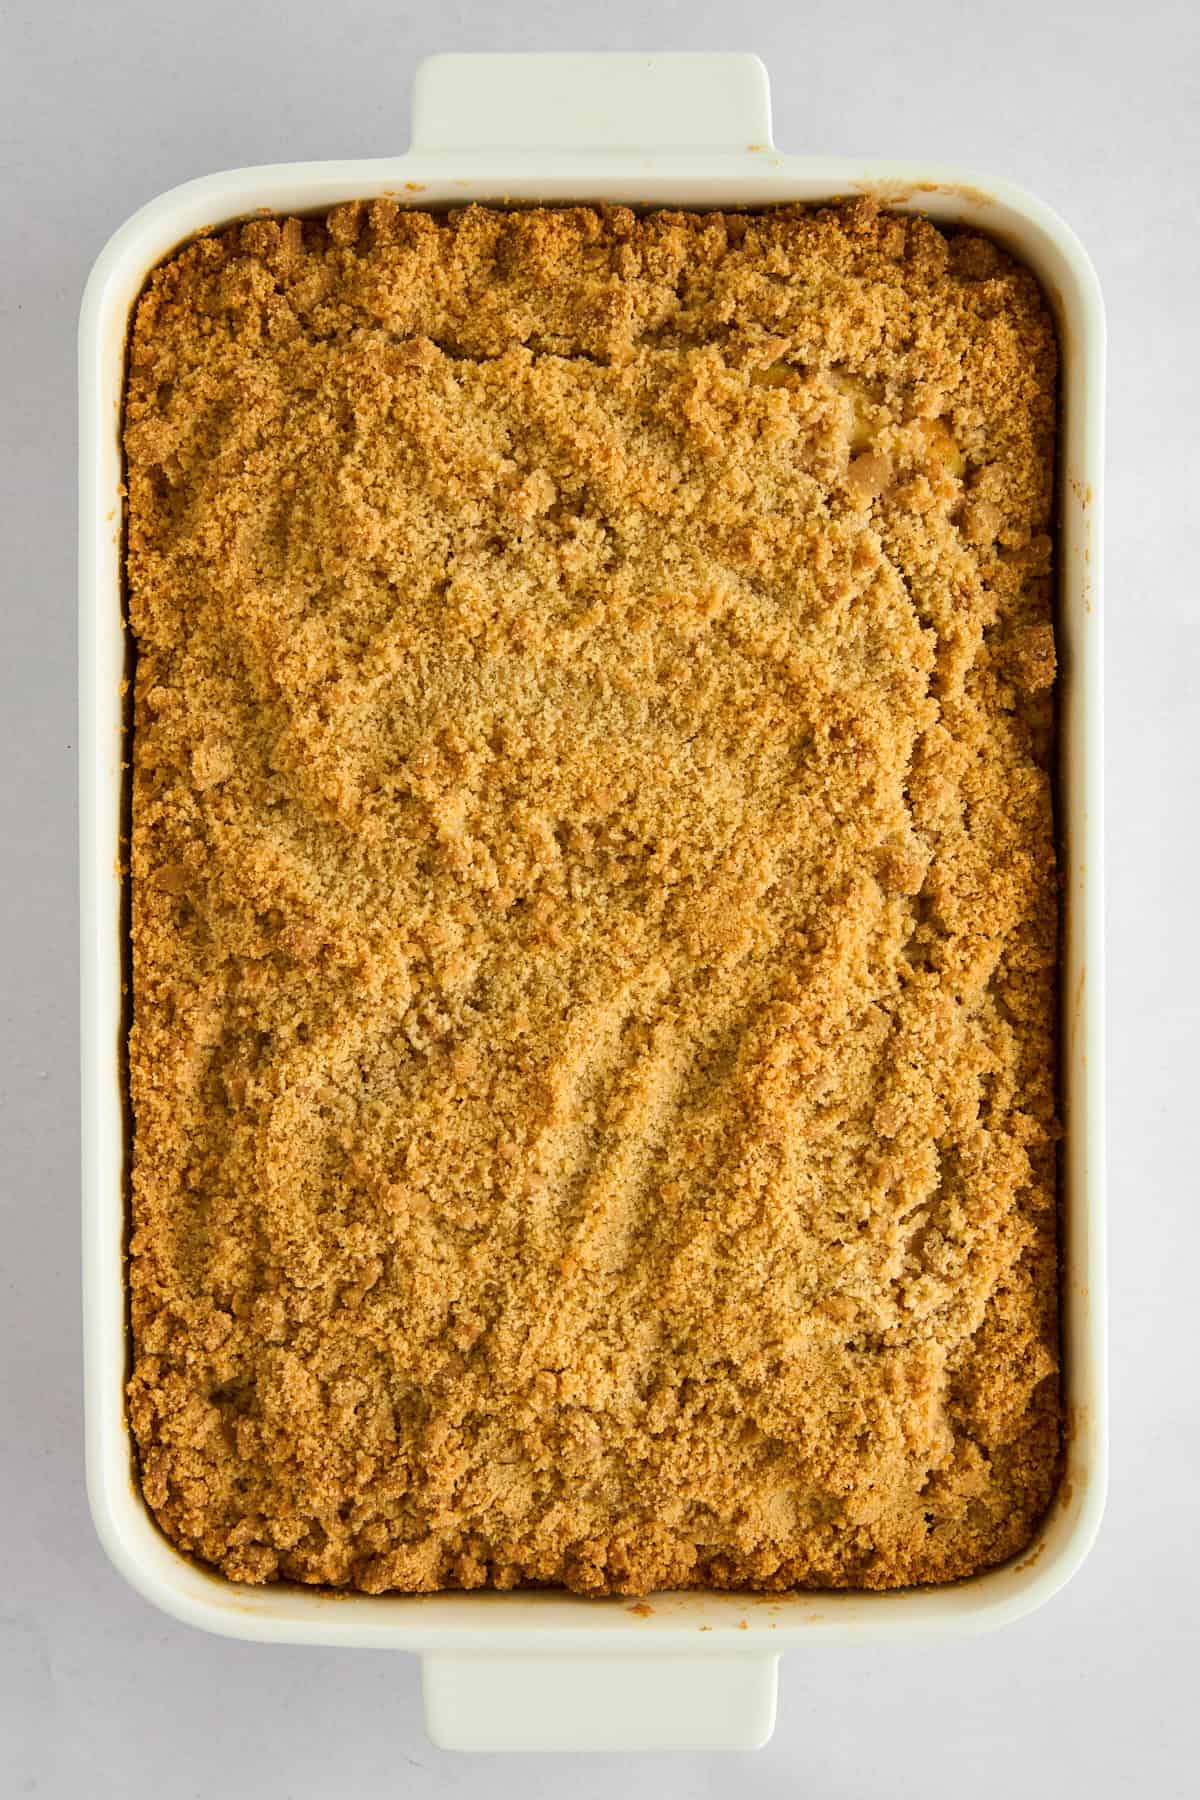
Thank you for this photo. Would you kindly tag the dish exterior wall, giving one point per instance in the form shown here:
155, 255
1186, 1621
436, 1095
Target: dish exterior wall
707, 1659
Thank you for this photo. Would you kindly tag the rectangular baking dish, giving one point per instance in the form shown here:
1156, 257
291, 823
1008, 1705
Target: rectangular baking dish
544, 1669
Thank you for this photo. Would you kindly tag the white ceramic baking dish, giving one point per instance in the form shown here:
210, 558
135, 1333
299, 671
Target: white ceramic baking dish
542, 1669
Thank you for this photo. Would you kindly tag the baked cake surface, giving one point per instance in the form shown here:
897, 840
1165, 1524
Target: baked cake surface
593, 900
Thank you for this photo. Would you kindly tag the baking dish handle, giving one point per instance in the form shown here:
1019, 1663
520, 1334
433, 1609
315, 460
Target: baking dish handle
490, 1700
691, 101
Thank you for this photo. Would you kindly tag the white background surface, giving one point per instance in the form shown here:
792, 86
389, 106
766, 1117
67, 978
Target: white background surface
1097, 108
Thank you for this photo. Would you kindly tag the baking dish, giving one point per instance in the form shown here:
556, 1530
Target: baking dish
547, 1669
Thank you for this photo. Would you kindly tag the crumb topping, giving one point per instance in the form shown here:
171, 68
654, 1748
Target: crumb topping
594, 900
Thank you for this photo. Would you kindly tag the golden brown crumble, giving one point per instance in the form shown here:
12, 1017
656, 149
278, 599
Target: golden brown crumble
594, 914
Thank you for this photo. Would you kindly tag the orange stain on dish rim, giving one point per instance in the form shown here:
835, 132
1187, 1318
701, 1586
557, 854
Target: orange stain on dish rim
1076, 1019
898, 193
641, 1610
